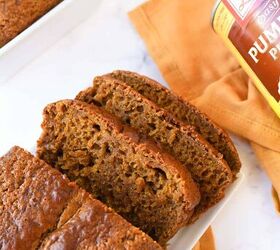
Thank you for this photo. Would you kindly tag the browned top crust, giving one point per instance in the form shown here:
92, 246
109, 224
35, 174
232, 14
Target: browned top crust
185, 112
41, 209
33, 195
17, 15
92, 225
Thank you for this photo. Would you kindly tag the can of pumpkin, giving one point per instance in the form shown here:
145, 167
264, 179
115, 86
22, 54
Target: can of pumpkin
251, 30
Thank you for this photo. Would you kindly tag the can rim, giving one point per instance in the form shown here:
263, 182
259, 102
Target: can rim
213, 12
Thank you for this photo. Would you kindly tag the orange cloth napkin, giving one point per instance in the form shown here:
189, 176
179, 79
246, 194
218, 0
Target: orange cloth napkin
197, 65
206, 242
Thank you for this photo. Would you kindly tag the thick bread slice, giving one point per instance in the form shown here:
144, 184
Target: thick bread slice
185, 112
206, 165
42, 209
132, 175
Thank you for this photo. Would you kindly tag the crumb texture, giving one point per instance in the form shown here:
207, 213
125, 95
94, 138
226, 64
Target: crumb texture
185, 112
206, 165
143, 184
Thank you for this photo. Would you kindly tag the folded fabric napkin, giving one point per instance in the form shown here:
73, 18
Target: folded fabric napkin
197, 65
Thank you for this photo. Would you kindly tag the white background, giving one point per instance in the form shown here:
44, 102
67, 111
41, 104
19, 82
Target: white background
105, 42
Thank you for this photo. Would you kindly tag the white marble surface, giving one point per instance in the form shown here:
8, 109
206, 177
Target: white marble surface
105, 42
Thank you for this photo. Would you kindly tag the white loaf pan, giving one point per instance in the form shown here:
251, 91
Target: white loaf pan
42, 34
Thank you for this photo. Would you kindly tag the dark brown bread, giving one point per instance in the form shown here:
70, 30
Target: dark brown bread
17, 15
206, 165
32, 198
41, 209
89, 224
142, 183
185, 112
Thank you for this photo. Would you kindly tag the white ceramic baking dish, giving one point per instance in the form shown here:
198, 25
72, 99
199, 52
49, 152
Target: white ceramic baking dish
42, 34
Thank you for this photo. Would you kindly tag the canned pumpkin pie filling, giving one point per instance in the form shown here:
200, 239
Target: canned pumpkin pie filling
251, 30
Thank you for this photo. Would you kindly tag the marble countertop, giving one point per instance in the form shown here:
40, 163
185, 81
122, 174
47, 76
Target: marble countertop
102, 43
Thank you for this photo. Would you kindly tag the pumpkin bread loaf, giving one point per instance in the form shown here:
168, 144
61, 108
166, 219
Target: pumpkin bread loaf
185, 112
17, 15
127, 172
42, 209
206, 165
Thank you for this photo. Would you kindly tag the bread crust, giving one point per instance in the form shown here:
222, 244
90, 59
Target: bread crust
42, 209
17, 15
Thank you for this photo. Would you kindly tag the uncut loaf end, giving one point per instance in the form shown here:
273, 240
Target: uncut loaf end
41, 209
132, 175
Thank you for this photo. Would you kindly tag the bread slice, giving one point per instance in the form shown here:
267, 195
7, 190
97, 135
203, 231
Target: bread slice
185, 112
128, 173
206, 165
41, 209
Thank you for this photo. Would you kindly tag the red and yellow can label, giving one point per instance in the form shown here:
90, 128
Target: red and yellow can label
251, 29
